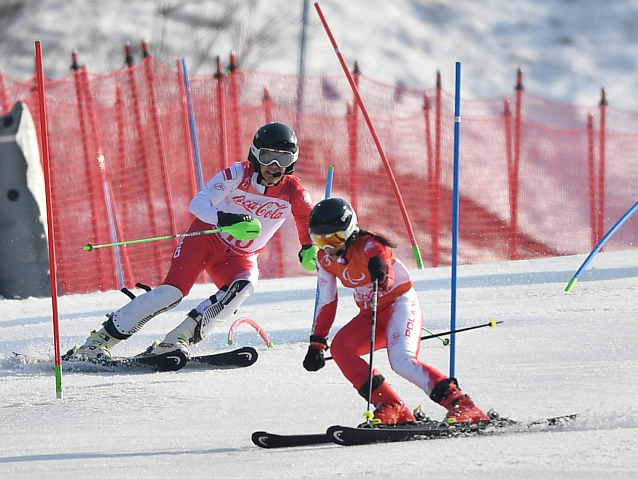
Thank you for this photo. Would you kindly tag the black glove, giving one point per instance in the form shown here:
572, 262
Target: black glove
314, 359
379, 271
227, 219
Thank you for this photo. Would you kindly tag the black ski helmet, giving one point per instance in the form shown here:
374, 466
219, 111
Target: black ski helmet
334, 215
274, 136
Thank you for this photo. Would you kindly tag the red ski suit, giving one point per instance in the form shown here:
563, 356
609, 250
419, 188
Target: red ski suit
399, 318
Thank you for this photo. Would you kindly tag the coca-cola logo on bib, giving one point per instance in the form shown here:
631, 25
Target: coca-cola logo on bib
270, 210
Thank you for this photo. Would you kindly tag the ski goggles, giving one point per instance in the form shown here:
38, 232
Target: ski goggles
332, 240
282, 158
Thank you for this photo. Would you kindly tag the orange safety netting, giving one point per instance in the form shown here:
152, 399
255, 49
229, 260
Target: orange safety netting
537, 178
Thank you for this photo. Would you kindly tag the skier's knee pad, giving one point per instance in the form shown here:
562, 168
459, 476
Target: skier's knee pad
130, 318
223, 309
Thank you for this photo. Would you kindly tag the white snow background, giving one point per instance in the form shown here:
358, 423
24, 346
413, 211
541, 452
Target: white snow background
555, 353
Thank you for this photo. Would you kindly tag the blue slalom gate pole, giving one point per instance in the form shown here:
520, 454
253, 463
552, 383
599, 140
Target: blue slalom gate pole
455, 213
599, 246
331, 172
191, 121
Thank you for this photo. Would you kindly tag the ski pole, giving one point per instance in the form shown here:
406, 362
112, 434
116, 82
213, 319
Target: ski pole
492, 324
248, 231
445, 341
375, 297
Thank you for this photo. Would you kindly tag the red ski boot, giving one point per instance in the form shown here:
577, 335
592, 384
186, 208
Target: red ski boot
460, 407
385, 413
389, 409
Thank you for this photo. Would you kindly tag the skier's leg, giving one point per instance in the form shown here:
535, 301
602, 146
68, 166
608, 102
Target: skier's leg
129, 319
200, 321
348, 347
404, 342
186, 264
241, 273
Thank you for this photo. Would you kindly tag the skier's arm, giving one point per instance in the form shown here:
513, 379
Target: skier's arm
203, 204
327, 302
324, 318
301, 207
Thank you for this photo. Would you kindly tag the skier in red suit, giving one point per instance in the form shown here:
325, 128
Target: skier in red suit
358, 258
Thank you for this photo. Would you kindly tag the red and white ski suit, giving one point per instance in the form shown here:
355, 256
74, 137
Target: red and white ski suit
399, 318
223, 257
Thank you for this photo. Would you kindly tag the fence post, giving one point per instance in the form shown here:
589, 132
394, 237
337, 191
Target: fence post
427, 110
593, 206
235, 111
514, 178
278, 239
436, 178
221, 115
507, 115
157, 132
601, 165
353, 150
95, 199
353, 137
143, 158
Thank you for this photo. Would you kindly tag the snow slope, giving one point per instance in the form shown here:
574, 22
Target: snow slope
555, 353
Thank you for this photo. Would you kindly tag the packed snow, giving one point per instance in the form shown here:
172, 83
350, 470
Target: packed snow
555, 353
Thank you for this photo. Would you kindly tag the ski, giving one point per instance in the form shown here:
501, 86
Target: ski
424, 429
352, 436
172, 361
269, 440
237, 358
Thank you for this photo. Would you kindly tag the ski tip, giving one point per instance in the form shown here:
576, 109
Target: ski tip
249, 355
260, 438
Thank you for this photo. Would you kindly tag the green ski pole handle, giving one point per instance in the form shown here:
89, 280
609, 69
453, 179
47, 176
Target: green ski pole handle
243, 231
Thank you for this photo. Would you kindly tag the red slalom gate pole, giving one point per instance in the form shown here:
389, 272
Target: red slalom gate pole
47, 184
377, 141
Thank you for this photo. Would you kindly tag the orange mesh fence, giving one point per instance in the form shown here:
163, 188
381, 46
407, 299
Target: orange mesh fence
538, 178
